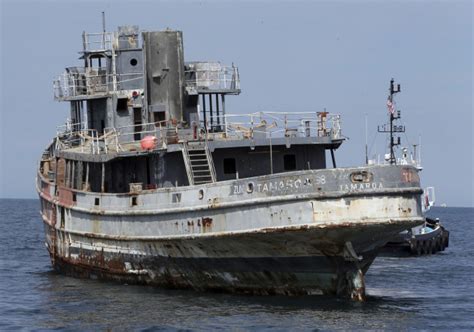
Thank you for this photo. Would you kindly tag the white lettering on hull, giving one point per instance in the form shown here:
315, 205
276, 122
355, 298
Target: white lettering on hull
278, 186
360, 186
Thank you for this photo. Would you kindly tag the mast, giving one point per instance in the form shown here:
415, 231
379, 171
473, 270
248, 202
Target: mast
103, 28
393, 115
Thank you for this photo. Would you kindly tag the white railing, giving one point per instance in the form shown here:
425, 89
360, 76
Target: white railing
98, 41
69, 127
92, 81
132, 134
406, 158
212, 76
277, 124
87, 140
74, 136
232, 126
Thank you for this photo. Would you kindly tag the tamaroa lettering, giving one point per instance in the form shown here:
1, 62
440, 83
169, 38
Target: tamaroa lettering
360, 186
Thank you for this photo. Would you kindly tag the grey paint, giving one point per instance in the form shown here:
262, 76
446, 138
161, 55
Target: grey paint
129, 64
164, 72
128, 37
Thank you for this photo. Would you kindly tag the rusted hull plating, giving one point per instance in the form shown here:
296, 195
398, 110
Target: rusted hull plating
295, 240
269, 262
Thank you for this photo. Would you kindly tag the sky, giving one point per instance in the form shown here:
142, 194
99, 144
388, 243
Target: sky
292, 56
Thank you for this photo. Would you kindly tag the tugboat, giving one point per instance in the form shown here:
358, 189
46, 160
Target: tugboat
429, 238
152, 181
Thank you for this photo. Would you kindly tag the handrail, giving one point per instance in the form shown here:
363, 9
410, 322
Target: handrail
89, 82
96, 41
236, 126
305, 124
68, 136
212, 75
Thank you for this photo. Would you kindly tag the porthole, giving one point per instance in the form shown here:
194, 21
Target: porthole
250, 187
133, 62
201, 194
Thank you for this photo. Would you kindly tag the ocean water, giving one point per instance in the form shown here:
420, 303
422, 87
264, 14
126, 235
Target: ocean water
431, 292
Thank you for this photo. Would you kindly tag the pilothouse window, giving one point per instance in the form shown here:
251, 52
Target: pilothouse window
158, 118
122, 105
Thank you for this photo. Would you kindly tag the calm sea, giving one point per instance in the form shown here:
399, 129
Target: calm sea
433, 292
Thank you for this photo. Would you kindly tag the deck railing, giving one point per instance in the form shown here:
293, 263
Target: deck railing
99, 41
259, 125
75, 136
80, 82
212, 76
276, 124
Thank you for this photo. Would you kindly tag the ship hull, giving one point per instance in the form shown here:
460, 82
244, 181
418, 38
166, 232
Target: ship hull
293, 244
291, 262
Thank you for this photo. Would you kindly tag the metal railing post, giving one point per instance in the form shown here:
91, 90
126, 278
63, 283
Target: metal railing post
251, 126
225, 125
271, 154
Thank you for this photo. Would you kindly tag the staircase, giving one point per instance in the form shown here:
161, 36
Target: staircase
199, 164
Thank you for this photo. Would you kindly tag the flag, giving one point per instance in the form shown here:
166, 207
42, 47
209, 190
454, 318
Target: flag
390, 106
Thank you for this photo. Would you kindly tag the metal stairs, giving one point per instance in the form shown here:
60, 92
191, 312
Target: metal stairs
199, 164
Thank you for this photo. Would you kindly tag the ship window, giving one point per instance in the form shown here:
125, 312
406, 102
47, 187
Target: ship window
96, 201
133, 62
122, 105
159, 117
229, 166
134, 201
289, 162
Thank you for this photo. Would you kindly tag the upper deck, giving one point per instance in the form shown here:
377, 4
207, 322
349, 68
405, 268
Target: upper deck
140, 114
113, 64
134, 86
234, 130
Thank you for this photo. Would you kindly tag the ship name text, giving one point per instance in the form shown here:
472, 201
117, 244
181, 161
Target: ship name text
351, 187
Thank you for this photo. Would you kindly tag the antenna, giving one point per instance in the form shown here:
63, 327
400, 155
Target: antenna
366, 149
103, 29
103, 22
393, 115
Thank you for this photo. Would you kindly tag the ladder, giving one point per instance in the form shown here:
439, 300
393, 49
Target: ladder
199, 164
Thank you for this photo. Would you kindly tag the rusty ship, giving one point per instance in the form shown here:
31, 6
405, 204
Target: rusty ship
152, 181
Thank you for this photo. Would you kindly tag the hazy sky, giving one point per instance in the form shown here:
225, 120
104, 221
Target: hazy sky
301, 56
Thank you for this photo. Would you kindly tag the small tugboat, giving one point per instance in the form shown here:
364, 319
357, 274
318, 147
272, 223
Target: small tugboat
152, 181
429, 238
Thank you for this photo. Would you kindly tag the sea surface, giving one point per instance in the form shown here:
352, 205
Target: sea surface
427, 293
